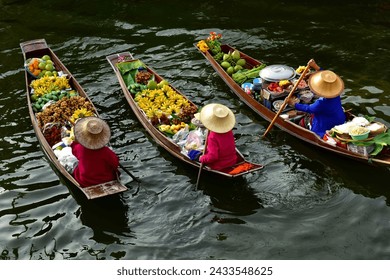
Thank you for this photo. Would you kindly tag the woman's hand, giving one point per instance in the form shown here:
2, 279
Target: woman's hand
292, 101
312, 63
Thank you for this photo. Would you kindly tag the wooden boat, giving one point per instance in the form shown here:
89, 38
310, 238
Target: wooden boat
289, 125
162, 138
37, 49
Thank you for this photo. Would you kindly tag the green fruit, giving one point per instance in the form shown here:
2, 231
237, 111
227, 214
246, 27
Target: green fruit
236, 55
34, 97
241, 62
230, 70
225, 64
42, 65
45, 57
226, 56
152, 84
237, 68
49, 67
162, 83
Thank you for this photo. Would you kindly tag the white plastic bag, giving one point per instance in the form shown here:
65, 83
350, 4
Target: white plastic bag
67, 159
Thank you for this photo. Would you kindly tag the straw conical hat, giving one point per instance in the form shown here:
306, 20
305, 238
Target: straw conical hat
326, 84
92, 132
217, 118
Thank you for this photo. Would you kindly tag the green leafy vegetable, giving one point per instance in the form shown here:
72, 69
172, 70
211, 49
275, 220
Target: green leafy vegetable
128, 69
380, 141
242, 75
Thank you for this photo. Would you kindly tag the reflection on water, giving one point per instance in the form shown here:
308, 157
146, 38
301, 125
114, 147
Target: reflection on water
305, 203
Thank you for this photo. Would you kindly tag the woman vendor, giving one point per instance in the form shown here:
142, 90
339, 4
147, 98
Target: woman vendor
97, 162
220, 151
326, 111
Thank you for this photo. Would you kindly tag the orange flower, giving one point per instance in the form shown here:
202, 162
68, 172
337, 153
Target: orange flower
214, 36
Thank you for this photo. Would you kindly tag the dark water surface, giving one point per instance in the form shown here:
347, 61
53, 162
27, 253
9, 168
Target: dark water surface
306, 204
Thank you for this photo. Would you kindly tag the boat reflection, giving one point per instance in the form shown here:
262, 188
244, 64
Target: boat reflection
231, 199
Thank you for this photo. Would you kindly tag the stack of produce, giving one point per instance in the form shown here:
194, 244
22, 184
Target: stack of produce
164, 107
231, 62
161, 103
65, 110
40, 67
53, 99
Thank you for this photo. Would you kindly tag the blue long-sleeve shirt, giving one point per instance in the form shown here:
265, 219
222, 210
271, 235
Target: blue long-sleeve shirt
328, 112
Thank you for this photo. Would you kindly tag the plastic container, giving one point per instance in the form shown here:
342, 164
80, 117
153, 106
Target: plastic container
276, 73
257, 84
244, 85
247, 87
361, 135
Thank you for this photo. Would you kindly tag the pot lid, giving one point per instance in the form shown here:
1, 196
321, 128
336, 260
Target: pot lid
277, 72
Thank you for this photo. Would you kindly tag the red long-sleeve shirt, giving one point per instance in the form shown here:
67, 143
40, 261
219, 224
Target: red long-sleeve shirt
95, 166
220, 151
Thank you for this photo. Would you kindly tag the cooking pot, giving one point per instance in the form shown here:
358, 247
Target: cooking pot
277, 72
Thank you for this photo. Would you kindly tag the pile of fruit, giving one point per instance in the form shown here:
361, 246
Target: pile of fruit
159, 103
65, 110
52, 97
231, 62
163, 106
40, 67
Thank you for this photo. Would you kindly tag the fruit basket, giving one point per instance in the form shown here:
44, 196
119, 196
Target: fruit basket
32, 66
39, 67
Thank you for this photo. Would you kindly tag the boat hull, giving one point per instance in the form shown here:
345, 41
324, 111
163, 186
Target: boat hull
38, 48
284, 124
160, 138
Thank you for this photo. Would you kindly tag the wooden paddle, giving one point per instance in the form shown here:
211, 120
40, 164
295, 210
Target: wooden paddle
201, 165
287, 98
129, 173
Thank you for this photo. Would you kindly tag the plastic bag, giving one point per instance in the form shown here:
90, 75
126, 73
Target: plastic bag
67, 159
181, 135
194, 140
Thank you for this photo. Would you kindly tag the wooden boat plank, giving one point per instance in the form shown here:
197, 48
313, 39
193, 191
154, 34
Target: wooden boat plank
160, 138
38, 48
283, 124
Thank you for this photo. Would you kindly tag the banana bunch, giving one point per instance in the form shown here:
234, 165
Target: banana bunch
202, 46
173, 128
49, 83
300, 69
80, 113
161, 101
283, 83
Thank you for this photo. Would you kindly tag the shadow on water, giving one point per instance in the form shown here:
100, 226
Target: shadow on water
360, 177
106, 216
230, 198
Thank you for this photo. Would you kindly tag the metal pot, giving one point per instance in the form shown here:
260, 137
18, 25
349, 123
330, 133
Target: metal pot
277, 72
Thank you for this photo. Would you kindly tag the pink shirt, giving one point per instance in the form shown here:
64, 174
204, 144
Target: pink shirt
95, 166
220, 151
